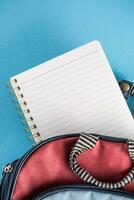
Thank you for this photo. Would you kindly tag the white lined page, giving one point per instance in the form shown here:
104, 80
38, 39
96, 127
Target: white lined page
76, 92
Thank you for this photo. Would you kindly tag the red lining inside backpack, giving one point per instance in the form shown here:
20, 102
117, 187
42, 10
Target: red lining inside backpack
49, 166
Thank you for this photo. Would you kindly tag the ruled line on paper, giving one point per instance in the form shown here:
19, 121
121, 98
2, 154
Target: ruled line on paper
76, 94
56, 74
79, 92
89, 113
91, 81
90, 118
85, 102
60, 66
114, 132
74, 113
63, 78
84, 127
75, 69
61, 87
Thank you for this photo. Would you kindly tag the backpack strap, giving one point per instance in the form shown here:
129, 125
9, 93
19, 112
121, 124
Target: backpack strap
87, 142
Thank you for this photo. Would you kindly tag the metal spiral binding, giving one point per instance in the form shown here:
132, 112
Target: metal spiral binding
24, 111
31, 137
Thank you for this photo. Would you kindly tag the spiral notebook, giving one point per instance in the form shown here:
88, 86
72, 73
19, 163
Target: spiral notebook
74, 92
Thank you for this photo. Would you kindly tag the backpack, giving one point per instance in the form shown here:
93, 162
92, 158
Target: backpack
73, 166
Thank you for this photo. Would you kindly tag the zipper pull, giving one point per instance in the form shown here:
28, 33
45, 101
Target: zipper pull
8, 168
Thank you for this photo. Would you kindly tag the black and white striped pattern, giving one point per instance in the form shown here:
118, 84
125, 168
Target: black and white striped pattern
131, 149
87, 142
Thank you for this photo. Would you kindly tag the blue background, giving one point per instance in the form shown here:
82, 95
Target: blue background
34, 31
